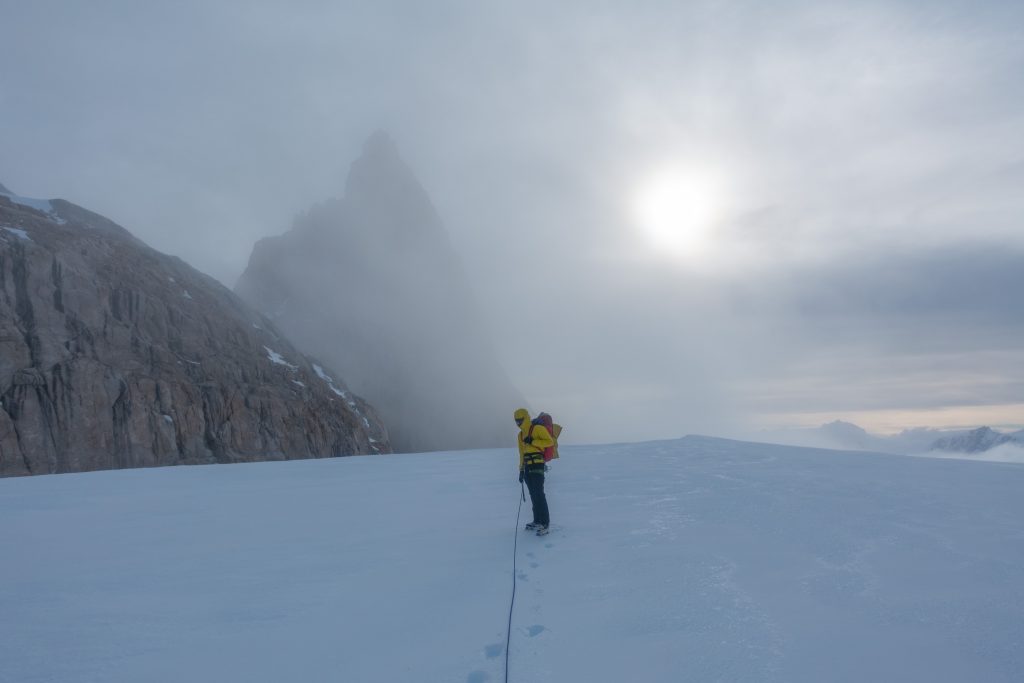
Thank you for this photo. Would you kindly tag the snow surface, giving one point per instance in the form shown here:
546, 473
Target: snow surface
690, 560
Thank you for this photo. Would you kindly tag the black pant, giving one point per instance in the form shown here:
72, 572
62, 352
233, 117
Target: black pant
535, 484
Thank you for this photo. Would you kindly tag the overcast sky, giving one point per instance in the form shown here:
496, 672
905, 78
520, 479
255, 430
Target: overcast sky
745, 214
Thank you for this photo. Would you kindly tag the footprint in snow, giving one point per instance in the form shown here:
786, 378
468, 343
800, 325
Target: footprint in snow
493, 651
535, 630
534, 565
478, 677
523, 576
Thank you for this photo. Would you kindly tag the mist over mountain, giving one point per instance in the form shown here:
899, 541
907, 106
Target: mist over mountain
842, 435
975, 441
371, 283
115, 355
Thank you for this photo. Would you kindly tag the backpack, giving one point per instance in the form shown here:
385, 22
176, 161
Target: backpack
551, 452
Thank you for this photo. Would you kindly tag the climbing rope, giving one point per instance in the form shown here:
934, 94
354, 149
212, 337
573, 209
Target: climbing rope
515, 548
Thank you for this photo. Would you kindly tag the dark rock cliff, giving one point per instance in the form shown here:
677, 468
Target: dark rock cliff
114, 355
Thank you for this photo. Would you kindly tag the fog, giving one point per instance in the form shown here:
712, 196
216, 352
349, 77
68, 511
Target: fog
370, 284
726, 215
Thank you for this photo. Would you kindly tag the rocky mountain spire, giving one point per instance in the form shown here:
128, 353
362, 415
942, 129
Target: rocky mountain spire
373, 284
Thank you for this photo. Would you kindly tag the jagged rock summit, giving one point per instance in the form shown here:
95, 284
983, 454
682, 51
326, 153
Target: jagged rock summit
371, 283
115, 355
975, 441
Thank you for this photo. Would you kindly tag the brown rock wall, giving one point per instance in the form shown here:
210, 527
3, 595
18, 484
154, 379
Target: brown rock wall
114, 355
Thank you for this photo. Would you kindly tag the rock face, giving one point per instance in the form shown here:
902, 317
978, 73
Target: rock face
114, 355
975, 441
372, 284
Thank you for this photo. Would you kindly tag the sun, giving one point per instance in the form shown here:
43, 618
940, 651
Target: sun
676, 210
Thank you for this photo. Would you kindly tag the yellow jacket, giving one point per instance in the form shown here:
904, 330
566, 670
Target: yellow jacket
532, 454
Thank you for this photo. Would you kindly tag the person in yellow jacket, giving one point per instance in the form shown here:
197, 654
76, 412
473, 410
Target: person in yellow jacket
533, 439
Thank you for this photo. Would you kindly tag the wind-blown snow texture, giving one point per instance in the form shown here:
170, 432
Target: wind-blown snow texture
691, 560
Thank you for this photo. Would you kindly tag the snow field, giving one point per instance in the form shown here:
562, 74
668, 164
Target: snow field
352, 569
691, 560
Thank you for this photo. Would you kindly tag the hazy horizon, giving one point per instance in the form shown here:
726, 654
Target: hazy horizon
731, 216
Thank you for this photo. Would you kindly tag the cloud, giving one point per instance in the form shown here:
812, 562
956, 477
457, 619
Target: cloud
1009, 453
860, 148
1005, 453
968, 285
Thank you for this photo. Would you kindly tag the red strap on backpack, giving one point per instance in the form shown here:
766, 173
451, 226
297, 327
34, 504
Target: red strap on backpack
548, 452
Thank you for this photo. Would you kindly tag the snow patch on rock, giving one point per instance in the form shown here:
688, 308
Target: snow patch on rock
322, 375
347, 398
278, 359
41, 205
17, 232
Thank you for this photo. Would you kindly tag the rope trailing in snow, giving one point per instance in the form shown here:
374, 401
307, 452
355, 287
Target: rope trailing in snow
515, 548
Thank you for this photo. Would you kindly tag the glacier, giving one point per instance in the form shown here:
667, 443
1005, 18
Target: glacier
698, 559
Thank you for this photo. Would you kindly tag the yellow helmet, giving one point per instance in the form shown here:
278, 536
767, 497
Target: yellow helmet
521, 415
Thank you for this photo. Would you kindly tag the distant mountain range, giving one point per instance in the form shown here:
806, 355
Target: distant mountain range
977, 441
848, 436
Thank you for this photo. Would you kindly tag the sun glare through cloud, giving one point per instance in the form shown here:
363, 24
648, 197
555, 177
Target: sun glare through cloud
676, 210
815, 207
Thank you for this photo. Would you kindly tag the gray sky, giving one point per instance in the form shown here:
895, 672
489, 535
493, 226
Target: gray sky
749, 213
